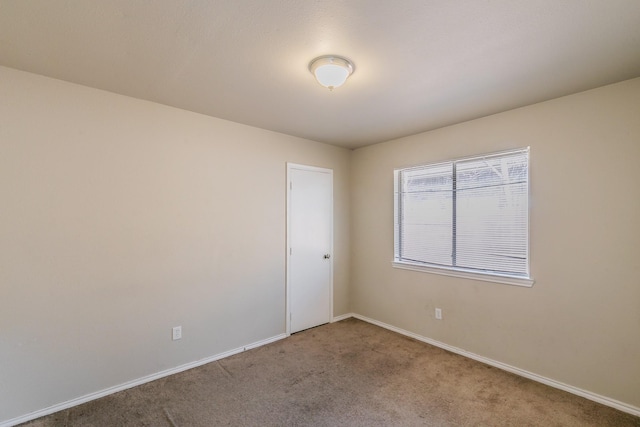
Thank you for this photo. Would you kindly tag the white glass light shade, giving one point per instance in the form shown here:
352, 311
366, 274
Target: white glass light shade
331, 71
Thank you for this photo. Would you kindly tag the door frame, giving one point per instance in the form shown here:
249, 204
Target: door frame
290, 168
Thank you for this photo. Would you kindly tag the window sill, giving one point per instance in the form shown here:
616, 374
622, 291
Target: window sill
507, 280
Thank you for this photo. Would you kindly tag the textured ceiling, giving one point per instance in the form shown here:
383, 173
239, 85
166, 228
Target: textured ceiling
420, 64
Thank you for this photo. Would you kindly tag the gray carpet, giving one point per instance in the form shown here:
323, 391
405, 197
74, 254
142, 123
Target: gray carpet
349, 373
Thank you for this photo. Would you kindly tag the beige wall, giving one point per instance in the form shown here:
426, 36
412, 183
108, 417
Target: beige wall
580, 322
121, 218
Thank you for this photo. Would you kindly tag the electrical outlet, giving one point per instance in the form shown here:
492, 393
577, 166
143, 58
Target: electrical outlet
439, 313
176, 333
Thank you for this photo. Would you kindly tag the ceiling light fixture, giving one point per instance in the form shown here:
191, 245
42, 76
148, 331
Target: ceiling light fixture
331, 71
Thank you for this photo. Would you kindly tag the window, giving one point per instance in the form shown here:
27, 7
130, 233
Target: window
466, 217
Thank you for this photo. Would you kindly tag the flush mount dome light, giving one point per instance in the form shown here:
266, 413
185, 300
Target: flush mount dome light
331, 71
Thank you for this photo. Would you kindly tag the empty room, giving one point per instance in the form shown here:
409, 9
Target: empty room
321, 213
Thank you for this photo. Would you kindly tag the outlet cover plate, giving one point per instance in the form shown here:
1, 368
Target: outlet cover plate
176, 333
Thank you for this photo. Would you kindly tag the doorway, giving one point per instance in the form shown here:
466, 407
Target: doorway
309, 247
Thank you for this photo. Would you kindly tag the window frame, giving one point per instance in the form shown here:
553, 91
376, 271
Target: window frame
468, 273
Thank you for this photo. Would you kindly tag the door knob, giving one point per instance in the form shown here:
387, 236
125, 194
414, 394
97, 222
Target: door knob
327, 256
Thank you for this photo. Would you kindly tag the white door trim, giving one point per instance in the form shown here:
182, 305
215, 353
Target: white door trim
290, 167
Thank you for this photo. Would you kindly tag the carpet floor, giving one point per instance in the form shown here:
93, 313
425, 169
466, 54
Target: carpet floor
349, 373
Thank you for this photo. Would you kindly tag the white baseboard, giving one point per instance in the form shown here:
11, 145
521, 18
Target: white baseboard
93, 396
341, 317
630, 409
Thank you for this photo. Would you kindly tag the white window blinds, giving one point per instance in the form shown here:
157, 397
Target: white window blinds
469, 214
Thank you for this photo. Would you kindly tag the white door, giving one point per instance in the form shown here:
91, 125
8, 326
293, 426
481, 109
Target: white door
310, 241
